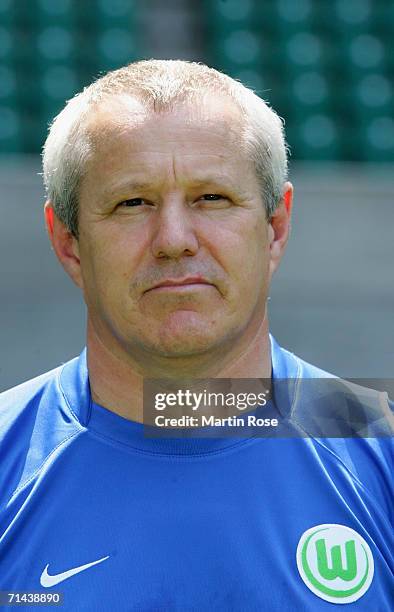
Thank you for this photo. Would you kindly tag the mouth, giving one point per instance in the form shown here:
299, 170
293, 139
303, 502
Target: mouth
183, 288
182, 285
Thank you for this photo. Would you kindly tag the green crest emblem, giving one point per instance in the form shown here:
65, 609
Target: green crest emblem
335, 563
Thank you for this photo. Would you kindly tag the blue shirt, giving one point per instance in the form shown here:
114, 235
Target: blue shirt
92, 509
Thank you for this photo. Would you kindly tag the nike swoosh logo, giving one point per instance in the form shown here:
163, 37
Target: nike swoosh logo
48, 580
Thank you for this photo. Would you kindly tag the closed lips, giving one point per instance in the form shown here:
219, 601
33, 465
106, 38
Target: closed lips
177, 283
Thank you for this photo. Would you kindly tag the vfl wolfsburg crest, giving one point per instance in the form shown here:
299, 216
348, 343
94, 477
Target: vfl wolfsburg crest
335, 563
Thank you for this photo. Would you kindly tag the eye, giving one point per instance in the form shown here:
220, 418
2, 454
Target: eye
213, 201
210, 197
132, 202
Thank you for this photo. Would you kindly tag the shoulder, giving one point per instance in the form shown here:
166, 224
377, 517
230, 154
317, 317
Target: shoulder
34, 420
350, 425
330, 406
23, 393
326, 405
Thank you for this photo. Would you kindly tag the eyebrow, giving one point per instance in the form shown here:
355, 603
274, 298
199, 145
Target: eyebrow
143, 185
127, 186
212, 180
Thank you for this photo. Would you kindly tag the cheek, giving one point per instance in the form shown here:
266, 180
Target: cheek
244, 252
103, 268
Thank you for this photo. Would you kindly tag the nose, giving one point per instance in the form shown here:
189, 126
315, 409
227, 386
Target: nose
174, 234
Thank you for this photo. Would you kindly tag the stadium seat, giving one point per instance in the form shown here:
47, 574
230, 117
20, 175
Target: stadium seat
10, 129
314, 136
326, 67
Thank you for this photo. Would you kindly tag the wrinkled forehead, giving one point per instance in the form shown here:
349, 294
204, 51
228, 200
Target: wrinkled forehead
125, 114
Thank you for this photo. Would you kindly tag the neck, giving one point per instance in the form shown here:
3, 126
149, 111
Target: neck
116, 376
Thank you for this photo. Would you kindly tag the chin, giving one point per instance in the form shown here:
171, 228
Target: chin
185, 334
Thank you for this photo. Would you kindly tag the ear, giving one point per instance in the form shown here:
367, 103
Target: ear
279, 228
64, 244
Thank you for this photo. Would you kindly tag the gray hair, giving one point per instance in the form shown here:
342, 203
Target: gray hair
159, 84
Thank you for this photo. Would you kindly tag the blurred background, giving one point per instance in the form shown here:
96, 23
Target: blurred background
326, 66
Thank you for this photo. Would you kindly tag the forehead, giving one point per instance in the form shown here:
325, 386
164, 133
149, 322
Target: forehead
125, 112
123, 129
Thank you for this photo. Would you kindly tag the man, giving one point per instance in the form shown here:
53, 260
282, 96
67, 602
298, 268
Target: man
169, 206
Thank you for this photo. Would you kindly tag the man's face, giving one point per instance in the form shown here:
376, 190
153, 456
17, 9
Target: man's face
168, 197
